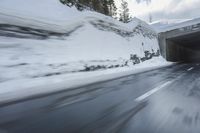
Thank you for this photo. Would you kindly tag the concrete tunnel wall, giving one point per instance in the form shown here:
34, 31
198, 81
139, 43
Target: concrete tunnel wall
177, 52
181, 45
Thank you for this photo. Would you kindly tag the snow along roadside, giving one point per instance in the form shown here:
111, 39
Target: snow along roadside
26, 88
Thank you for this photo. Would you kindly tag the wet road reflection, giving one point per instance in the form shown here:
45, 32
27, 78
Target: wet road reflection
111, 107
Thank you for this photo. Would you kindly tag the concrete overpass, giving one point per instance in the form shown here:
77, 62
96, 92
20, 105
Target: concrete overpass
181, 42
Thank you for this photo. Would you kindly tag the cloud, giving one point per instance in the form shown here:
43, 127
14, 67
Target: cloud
164, 9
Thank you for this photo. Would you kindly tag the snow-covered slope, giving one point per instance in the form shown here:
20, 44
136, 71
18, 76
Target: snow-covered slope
43, 39
45, 14
70, 35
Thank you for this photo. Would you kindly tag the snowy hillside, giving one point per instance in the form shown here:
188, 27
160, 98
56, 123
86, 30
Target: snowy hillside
45, 39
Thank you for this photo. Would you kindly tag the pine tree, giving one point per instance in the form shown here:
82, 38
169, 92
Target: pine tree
106, 7
124, 12
85, 2
97, 5
112, 8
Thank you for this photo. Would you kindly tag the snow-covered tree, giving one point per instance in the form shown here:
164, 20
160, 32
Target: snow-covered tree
106, 7
124, 15
112, 8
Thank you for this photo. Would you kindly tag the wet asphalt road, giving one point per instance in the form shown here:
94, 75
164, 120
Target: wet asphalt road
165, 100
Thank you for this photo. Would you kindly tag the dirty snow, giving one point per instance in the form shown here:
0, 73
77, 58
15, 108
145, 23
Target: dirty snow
25, 87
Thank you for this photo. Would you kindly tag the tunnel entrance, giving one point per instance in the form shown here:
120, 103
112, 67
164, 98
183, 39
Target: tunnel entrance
185, 48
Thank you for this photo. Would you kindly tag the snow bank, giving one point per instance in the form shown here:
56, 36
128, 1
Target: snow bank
41, 14
44, 9
84, 41
51, 15
24, 88
104, 37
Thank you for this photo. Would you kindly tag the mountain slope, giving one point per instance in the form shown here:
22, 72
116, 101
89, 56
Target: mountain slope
42, 40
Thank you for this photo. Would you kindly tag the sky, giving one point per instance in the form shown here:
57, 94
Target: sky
164, 9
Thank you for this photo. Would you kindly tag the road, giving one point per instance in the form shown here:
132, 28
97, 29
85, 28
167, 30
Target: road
165, 100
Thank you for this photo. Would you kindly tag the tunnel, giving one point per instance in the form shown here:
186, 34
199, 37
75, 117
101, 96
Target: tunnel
184, 48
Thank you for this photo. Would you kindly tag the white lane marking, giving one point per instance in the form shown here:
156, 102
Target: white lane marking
190, 69
149, 93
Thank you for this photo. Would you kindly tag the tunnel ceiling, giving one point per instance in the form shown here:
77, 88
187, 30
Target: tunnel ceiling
191, 41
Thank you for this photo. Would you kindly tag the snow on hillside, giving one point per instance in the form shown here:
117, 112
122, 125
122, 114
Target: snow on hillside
43, 39
43, 14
